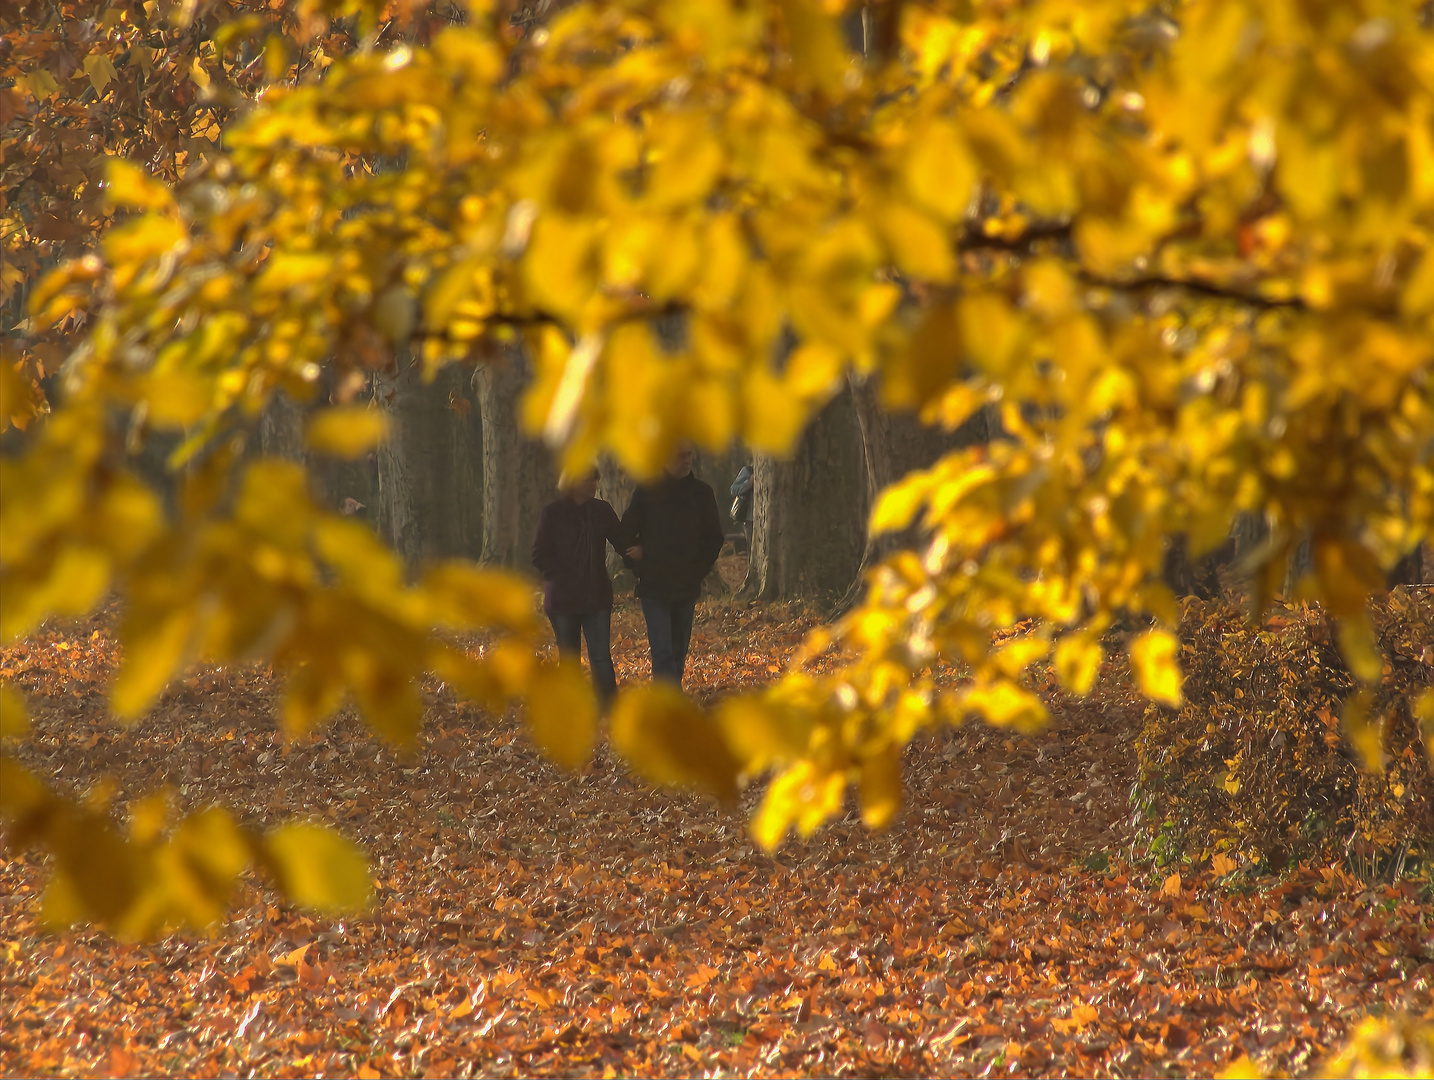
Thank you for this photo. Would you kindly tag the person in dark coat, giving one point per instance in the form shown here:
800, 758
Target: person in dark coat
570, 551
673, 536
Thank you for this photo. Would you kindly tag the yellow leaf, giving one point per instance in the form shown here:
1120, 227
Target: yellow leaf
939, 173
685, 157
1365, 732
464, 597
319, 869
1004, 704
1078, 659
198, 74
276, 57
1222, 864
562, 714
287, 269
560, 267
802, 795
1171, 887
152, 654
101, 72
1424, 713
1361, 648
816, 43
919, 247
1243, 1068
347, 431
772, 420
762, 732
1011, 660
394, 313
670, 741
897, 506
312, 694
881, 786
144, 238
14, 720
1157, 671
572, 388
40, 83
177, 398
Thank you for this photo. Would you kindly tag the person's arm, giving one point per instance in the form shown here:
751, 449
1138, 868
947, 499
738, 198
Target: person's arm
544, 552
612, 527
743, 484
634, 521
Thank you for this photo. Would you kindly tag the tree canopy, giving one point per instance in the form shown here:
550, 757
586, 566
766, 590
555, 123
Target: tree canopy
1183, 248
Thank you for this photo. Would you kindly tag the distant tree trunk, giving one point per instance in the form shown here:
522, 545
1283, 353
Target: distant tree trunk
894, 444
281, 428
518, 474
430, 494
809, 513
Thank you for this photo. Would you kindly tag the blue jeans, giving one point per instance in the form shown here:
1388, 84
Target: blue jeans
669, 632
596, 626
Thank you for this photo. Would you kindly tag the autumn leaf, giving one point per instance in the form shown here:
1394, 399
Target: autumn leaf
1157, 672
347, 431
319, 869
101, 71
562, 713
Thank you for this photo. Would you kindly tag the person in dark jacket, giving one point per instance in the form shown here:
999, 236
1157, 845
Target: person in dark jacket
744, 495
673, 535
570, 551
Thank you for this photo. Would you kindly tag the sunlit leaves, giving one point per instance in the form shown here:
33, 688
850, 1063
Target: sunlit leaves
1077, 662
168, 873
347, 432
1424, 713
669, 740
319, 869
14, 720
1364, 730
127, 185
562, 715
1153, 659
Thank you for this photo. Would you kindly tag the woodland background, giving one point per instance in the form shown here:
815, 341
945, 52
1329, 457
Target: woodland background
1134, 889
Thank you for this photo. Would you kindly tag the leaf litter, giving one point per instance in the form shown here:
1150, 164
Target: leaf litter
531, 921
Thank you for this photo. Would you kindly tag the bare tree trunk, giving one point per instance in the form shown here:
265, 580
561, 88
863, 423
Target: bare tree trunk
894, 444
430, 493
808, 513
518, 474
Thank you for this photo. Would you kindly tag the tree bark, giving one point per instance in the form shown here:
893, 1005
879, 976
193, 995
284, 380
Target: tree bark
518, 474
430, 492
809, 513
894, 444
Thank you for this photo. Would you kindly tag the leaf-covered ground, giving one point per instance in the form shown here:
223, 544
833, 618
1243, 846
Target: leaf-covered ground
534, 922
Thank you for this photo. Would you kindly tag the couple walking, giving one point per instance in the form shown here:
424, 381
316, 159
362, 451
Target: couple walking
670, 537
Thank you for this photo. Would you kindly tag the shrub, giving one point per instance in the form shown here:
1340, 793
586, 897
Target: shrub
1254, 764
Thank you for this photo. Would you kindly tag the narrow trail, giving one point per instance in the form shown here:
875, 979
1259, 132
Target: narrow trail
530, 921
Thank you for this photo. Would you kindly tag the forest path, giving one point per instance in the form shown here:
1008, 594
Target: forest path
535, 922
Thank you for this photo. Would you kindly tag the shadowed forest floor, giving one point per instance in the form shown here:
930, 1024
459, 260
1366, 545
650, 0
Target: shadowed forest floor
530, 921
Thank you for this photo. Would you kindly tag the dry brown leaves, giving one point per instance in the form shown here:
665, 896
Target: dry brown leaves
531, 921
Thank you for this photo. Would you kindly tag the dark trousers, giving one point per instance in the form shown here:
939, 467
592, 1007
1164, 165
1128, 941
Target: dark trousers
596, 626
669, 632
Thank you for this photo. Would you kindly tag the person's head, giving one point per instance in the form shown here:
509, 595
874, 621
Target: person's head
582, 487
680, 463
